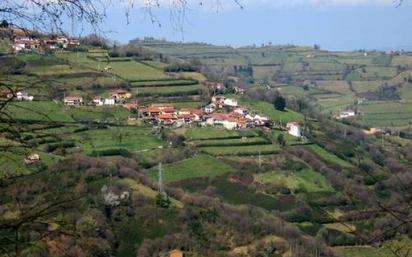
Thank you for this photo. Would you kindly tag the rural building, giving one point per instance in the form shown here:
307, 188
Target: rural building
230, 124
210, 108
32, 159
230, 102
21, 96
294, 129
167, 118
120, 94
25, 43
104, 101
155, 110
176, 253
239, 90
73, 100
346, 114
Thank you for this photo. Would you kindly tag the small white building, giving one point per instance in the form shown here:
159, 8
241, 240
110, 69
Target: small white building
21, 96
230, 124
73, 100
346, 114
104, 101
294, 129
210, 108
230, 102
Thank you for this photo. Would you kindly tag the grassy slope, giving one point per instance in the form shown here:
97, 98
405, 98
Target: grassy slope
307, 179
198, 166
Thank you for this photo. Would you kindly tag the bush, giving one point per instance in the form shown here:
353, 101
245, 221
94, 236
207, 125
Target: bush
111, 152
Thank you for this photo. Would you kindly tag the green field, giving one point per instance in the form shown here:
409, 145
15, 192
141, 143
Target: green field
307, 180
197, 166
241, 150
167, 90
328, 156
384, 251
136, 71
269, 110
200, 133
132, 139
386, 114
57, 112
230, 142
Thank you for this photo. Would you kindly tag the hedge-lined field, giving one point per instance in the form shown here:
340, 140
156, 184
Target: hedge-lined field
131, 139
197, 166
307, 180
328, 156
164, 83
241, 150
207, 133
48, 111
167, 90
231, 142
136, 71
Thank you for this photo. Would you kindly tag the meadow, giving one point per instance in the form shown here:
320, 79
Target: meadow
197, 166
304, 180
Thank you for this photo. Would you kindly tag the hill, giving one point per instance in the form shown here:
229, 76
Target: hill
94, 189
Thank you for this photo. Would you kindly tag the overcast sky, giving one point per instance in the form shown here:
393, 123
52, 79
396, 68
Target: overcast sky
333, 24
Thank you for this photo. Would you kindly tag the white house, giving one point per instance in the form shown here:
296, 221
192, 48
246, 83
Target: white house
210, 108
346, 114
104, 101
294, 129
21, 96
230, 124
230, 102
73, 100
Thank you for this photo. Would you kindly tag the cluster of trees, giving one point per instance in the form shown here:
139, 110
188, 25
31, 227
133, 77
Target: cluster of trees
66, 211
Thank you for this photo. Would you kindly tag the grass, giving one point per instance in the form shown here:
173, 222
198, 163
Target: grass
133, 70
169, 90
39, 111
147, 191
132, 139
230, 142
204, 133
12, 161
57, 112
267, 109
342, 227
187, 104
308, 180
324, 154
386, 114
384, 251
241, 150
197, 166
159, 83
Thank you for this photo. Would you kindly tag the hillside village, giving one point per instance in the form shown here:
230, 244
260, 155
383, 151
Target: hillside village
175, 157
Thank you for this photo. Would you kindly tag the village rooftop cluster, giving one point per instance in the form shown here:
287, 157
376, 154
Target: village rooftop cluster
28, 43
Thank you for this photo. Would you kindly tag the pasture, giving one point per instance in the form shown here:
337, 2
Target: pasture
197, 166
307, 180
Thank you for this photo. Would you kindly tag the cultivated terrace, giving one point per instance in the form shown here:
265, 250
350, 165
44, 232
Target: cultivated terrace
162, 149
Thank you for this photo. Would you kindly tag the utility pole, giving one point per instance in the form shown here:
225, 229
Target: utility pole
260, 160
160, 180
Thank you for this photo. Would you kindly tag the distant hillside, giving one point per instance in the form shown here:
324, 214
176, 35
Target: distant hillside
333, 80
